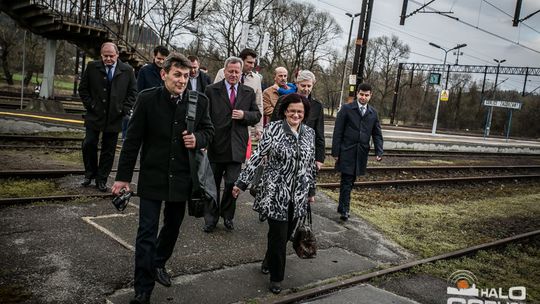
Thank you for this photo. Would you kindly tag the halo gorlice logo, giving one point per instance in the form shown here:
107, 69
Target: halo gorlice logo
462, 290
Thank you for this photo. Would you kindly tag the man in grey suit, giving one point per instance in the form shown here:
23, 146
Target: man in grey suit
356, 123
108, 90
232, 109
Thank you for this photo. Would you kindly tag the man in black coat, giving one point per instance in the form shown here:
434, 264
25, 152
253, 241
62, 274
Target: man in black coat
150, 75
305, 80
233, 108
108, 91
356, 123
159, 126
198, 80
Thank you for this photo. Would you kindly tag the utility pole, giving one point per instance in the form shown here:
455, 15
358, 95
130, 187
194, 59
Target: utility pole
434, 128
361, 45
346, 57
490, 111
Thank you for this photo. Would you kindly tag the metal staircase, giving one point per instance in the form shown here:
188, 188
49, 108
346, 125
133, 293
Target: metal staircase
79, 22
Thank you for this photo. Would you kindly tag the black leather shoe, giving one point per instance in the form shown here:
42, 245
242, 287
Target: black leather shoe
162, 277
229, 224
142, 298
275, 287
344, 216
86, 182
264, 268
208, 228
102, 186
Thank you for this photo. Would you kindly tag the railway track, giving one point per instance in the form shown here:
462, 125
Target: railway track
323, 173
379, 183
331, 288
10, 140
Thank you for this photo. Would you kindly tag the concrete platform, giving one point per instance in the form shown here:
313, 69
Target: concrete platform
362, 294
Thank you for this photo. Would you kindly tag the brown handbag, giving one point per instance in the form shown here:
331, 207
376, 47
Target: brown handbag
304, 241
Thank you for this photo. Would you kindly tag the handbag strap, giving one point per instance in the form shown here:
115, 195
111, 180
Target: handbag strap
190, 122
191, 110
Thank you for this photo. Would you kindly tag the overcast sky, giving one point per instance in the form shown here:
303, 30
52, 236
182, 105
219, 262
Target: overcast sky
520, 46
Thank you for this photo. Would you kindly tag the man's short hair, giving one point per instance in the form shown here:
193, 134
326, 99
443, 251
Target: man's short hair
305, 75
280, 68
234, 59
111, 44
162, 50
176, 59
364, 87
247, 52
293, 98
193, 58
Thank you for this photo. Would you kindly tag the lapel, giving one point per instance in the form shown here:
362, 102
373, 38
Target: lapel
224, 94
356, 111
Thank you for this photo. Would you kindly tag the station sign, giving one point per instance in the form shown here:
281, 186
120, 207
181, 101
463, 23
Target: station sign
503, 104
434, 78
352, 79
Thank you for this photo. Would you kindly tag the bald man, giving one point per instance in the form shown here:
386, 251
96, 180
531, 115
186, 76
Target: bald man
108, 90
271, 95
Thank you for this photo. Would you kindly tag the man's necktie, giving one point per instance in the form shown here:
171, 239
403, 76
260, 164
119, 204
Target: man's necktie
363, 110
109, 73
243, 78
232, 97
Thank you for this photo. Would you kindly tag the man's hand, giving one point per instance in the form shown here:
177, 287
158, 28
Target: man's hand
378, 158
118, 186
319, 165
237, 114
190, 141
235, 192
311, 199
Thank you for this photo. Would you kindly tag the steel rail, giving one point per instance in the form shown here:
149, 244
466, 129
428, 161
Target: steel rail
44, 173
332, 287
29, 200
47, 173
429, 181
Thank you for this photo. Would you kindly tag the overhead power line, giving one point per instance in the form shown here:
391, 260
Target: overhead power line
481, 29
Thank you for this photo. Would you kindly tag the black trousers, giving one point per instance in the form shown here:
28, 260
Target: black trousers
90, 154
279, 232
345, 188
228, 172
151, 250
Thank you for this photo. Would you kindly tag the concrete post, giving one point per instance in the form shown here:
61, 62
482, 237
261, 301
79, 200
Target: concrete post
48, 70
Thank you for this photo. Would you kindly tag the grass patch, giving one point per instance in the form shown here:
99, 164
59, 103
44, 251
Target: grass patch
60, 82
70, 156
27, 188
517, 264
433, 221
64, 134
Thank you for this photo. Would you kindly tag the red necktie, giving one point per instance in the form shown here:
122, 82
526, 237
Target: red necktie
232, 97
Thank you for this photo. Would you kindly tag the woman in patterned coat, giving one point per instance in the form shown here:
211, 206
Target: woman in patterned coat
287, 185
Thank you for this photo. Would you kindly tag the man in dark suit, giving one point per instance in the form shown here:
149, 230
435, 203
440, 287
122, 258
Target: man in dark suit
356, 123
233, 108
150, 75
159, 126
108, 91
198, 80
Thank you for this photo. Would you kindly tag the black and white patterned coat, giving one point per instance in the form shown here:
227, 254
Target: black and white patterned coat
289, 170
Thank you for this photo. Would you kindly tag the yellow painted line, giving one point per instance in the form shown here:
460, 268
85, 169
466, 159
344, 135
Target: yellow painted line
42, 117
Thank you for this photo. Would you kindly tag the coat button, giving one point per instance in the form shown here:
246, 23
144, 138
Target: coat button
170, 176
175, 122
172, 158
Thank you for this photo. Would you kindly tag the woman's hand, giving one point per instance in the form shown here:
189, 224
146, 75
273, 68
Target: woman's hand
235, 192
311, 199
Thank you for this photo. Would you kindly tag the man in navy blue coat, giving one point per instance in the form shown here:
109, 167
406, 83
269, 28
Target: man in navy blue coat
149, 75
356, 123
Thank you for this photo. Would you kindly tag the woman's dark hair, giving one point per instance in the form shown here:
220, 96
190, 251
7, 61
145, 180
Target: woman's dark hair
293, 98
